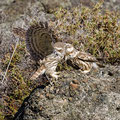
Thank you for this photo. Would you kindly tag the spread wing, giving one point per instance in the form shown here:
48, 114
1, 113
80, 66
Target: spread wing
39, 39
20, 32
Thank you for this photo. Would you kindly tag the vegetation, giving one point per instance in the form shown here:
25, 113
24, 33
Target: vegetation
19, 88
95, 30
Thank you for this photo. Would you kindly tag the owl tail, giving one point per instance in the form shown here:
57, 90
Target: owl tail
40, 71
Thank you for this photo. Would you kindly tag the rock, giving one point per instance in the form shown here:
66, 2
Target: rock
86, 100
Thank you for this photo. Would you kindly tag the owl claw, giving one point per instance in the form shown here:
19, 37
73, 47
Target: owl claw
55, 75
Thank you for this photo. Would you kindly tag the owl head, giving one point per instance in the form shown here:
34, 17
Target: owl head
65, 49
59, 48
70, 51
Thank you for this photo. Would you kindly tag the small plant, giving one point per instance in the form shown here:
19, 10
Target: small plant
97, 30
1, 112
18, 89
63, 66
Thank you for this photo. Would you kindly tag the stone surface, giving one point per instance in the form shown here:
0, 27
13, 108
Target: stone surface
95, 96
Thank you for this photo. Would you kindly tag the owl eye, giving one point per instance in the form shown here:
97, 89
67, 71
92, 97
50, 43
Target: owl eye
60, 50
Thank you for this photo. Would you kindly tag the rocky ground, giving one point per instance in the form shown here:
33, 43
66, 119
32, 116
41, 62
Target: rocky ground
74, 96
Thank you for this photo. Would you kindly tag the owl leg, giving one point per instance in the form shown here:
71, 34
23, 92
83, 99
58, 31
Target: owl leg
53, 74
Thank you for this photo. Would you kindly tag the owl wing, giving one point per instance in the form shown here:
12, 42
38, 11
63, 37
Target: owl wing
88, 58
84, 56
39, 39
81, 65
20, 32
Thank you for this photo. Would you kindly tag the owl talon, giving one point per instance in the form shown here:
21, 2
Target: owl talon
55, 75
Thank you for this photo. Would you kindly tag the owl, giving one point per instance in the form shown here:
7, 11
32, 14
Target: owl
70, 51
43, 46
49, 63
83, 60
65, 51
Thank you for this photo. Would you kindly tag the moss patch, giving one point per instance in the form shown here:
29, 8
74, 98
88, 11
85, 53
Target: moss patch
97, 30
18, 87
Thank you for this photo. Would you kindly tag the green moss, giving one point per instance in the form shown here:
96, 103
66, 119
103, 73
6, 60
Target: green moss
97, 30
19, 89
1, 116
63, 66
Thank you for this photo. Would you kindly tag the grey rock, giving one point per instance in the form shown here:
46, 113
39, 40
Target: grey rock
77, 97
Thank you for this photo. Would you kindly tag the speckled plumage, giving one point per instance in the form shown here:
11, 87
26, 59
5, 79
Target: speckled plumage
39, 39
84, 61
65, 51
41, 44
49, 63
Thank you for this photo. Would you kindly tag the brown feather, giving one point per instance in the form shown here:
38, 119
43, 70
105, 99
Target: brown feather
20, 32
